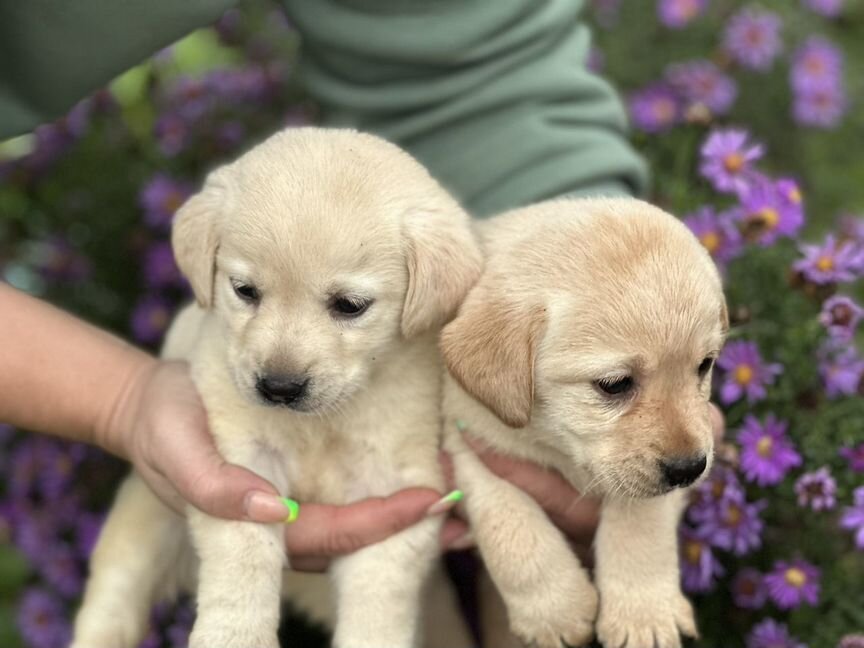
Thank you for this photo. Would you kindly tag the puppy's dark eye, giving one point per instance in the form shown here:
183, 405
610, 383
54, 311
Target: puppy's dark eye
246, 292
617, 386
349, 307
705, 366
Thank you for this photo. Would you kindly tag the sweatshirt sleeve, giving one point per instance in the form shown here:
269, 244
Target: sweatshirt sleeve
55, 52
493, 96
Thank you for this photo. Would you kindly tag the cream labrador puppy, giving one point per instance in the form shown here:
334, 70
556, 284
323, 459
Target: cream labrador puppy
323, 263
587, 346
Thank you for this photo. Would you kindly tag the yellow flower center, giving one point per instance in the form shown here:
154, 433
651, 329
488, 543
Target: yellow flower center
794, 195
689, 8
711, 241
733, 516
744, 374
769, 217
733, 162
825, 263
664, 110
693, 551
764, 446
795, 577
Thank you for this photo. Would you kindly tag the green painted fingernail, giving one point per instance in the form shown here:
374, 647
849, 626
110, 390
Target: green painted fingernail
461, 425
293, 509
453, 496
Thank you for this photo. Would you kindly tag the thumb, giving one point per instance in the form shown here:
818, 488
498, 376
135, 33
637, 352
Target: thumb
225, 490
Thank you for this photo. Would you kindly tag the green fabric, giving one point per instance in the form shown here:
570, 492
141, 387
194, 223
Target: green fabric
55, 52
493, 96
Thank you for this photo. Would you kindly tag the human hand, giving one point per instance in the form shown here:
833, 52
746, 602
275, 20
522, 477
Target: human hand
160, 425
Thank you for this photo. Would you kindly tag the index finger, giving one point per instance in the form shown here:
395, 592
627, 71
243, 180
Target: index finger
577, 516
330, 530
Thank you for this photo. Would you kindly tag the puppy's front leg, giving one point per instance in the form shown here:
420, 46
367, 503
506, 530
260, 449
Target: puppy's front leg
378, 589
548, 594
641, 604
238, 583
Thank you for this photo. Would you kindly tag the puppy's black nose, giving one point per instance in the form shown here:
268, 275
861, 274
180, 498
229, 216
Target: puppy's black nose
683, 471
282, 389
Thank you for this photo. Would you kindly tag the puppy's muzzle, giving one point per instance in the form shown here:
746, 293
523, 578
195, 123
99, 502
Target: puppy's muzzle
683, 471
282, 389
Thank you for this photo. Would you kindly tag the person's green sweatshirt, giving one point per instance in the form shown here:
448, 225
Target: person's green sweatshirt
493, 96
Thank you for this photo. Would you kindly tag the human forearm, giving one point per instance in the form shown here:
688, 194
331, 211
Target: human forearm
61, 375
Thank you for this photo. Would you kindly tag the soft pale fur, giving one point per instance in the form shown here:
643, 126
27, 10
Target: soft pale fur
573, 292
306, 215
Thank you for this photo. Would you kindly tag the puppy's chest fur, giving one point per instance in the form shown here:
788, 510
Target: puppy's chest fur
385, 438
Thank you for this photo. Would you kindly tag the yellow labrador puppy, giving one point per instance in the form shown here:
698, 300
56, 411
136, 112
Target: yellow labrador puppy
587, 346
323, 263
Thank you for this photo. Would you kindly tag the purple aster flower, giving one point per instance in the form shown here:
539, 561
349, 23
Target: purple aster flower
816, 490
852, 228
770, 634
827, 8
721, 484
702, 82
752, 38
831, 262
853, 517
821, 107
56, 259
229, 135
716, 232
160, 198
745, 372
767, 454
851, 641
160, 269
735, 526
748, 589
676, 14
41, 620
172, 134
841, 315
33, 532
150, 318
792, 583
61, 570
87, 528
727, 158
656, 108
855, 457
700, 569
815, 64
153, 640
58, 464
770, 210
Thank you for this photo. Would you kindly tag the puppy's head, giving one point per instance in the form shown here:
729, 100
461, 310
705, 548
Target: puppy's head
598, 322
320, 250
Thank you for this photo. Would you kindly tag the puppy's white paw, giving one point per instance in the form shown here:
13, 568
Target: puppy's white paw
644, 619
224, 636
561, 614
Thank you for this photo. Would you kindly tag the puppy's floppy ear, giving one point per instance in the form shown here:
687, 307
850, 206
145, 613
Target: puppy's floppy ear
489, 349
443, 261
195, 236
